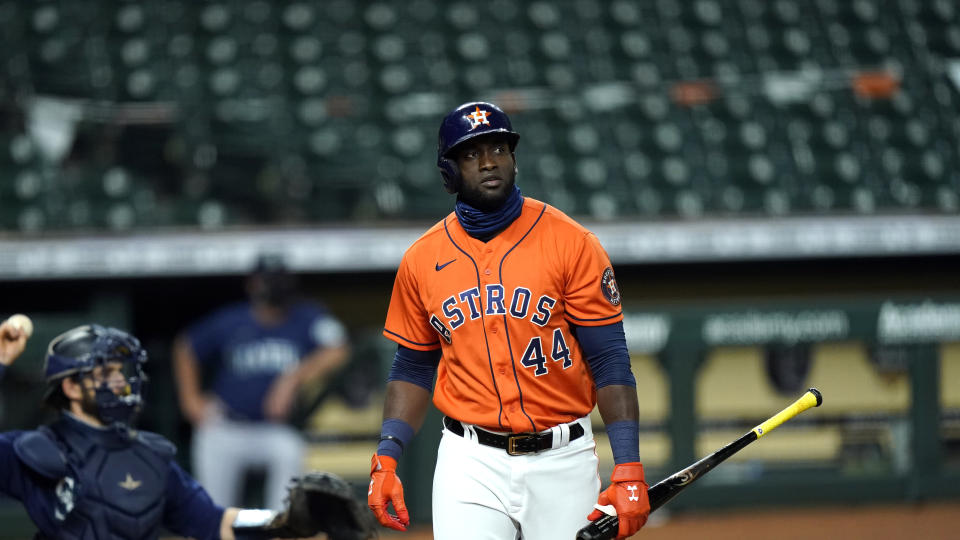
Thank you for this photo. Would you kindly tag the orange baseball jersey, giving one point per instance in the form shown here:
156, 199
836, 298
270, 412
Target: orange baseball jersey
500, 310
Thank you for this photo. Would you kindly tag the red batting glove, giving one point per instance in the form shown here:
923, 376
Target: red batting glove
628, 494
385, 487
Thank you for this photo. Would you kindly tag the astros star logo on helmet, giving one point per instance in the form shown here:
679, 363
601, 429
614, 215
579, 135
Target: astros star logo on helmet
477, 117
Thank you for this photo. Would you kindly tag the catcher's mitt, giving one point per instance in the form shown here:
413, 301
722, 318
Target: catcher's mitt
323, 502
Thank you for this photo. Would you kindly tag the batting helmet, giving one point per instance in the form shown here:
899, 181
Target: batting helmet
464, 123
79, 350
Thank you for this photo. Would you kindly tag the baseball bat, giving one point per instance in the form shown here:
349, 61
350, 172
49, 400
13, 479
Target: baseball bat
605, 527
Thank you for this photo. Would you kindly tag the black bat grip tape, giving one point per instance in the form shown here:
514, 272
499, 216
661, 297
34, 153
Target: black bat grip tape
603, 528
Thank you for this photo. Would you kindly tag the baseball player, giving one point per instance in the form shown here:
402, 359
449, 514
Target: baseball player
513, 307
89, 474
261, 352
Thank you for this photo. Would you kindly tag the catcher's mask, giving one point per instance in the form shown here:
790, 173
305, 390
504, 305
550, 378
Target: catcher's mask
464, 123
111, 358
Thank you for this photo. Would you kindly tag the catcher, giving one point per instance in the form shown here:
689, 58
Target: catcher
89, 474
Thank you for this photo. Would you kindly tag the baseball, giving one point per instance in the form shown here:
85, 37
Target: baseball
22, 322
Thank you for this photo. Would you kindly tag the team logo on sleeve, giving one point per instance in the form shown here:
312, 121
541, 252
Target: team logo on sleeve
608, 284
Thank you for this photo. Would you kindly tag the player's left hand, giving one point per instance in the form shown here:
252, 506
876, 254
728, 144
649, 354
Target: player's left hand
628, 495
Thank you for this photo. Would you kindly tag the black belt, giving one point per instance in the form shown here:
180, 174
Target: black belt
515, 444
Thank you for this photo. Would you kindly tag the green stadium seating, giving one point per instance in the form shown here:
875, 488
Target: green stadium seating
288, 111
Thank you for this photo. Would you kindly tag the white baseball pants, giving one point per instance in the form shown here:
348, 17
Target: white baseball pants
223, 450
483, 493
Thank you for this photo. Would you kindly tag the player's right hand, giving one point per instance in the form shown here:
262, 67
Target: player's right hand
280, 397
13, 341
385, 487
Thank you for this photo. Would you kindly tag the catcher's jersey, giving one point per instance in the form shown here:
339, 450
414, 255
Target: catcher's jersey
501, 311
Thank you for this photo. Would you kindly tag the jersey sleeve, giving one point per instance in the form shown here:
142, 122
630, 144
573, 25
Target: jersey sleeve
326, 331
592, 295
407, 322
189, 510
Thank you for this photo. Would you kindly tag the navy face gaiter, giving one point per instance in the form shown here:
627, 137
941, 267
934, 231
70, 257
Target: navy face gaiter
485, 225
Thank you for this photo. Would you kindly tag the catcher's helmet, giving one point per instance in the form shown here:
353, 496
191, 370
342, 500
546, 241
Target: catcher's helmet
466, 122
79, 350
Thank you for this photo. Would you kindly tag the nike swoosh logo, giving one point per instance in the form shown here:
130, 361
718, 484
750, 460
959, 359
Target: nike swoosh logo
441, 266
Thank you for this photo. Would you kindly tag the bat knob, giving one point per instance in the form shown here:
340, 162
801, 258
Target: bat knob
818, 395
603, 528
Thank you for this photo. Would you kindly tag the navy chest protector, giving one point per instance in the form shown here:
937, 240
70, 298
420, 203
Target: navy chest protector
108, 485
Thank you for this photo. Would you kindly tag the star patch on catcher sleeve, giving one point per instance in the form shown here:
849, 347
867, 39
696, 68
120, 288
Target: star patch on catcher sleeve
608, 285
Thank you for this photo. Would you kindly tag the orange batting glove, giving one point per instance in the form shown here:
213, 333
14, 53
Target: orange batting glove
628, 495
385, 487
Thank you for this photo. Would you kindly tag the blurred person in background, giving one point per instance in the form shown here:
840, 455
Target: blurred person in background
259, 354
